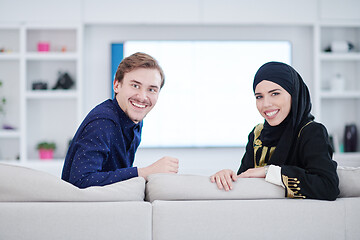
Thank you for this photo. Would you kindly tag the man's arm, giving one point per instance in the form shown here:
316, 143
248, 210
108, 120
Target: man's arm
92, 157
164, 165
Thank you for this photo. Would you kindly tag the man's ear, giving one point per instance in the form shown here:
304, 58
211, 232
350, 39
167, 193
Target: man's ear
116, 85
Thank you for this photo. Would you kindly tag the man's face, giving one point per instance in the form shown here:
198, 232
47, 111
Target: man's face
138, 92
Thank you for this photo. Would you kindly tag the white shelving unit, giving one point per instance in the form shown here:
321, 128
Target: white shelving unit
10, 49
336, 107
39, 115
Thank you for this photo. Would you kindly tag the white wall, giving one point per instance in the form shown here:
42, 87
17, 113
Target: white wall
231, 12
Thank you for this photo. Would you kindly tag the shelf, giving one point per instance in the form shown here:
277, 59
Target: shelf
9, 56
47, 161
337, 83
343, 94
38, 161
52, 56
352, 56
10, 161
51, 94
9, 134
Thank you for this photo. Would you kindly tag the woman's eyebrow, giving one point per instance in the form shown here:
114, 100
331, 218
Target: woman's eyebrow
274, 90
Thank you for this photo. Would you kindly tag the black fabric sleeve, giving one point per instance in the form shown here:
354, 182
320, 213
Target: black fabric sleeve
248, 158
312, 172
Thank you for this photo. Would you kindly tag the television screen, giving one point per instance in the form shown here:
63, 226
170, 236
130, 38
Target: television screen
207, 99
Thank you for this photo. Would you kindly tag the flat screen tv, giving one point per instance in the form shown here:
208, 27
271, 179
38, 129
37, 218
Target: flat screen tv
207, 99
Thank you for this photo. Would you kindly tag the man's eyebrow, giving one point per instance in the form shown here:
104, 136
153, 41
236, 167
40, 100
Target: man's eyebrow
154, 86
137, 82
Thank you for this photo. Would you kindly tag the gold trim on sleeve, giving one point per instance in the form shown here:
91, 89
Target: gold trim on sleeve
292, 187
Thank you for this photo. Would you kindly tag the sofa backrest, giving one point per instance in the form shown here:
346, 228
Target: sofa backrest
349, 181
21, 184
194, 187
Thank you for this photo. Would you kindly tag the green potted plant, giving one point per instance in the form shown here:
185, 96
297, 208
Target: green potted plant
46, 150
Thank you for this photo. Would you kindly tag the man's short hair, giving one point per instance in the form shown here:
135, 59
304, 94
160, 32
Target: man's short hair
135, 61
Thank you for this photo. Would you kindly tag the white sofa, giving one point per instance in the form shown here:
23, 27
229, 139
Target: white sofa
36, 205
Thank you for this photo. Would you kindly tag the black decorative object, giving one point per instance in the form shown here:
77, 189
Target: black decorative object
39, 85
64, 81
350, 138
339, 46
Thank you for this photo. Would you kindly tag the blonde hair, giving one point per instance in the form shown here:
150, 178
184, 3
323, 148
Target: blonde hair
138, 60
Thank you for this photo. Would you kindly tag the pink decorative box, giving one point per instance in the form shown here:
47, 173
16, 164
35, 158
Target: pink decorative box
43, 46
46, 154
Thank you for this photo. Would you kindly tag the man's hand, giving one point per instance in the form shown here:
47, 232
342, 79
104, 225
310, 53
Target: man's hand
164, 165
224, 179
253, 173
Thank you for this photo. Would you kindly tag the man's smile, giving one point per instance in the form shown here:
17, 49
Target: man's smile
139, 105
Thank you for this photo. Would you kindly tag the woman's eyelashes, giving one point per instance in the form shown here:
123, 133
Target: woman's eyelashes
271, 94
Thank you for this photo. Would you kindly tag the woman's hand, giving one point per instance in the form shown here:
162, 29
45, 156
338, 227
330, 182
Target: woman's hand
253, 173
224, 179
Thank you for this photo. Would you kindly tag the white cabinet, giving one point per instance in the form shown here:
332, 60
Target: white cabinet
338, 78
10, 91
40, 114
51, 114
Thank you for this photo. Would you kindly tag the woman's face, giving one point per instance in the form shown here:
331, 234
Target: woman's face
272, 101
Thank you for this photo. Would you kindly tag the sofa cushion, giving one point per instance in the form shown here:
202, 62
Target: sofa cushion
349, 179
164, 186
20, 184
76, 220
270, 219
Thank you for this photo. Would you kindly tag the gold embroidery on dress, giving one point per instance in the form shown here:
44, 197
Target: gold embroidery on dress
263, 155
272, 149
303, 128
258, 144
292, 187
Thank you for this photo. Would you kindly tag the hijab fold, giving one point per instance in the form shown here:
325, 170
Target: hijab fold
284, 135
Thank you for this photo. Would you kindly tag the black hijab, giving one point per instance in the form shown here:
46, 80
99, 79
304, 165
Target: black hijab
284, 135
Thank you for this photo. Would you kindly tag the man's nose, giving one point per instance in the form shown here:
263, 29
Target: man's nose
142, 94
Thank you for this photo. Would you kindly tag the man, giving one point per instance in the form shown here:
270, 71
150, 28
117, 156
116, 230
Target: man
103, 148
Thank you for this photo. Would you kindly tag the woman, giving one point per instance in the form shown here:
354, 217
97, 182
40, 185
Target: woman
289, 149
